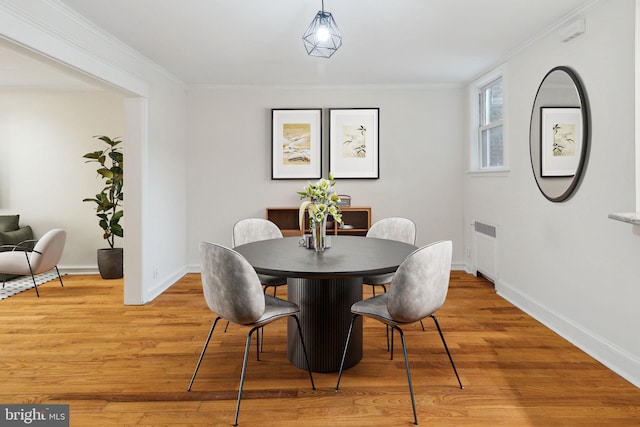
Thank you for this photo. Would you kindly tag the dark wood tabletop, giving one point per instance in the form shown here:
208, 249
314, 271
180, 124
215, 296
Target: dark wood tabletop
348, 256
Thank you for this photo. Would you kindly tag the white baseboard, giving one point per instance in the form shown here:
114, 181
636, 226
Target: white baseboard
158, 288
78, 270
458, 266
607, 353
164, 284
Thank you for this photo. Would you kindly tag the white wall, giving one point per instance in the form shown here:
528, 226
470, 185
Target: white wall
566, 263
43, 177
421, 158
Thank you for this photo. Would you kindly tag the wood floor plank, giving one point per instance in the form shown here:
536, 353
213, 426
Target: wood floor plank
118, 365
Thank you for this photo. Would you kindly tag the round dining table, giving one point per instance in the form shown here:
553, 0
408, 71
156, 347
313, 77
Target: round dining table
325, 285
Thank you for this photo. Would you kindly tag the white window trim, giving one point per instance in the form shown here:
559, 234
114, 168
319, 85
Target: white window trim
474, 123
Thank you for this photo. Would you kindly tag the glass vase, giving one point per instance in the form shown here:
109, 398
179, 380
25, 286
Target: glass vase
319, 234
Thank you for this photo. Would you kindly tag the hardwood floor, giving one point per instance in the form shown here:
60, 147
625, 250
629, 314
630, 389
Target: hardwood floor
122, 365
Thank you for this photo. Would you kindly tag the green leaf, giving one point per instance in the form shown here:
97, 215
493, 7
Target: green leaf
107, 201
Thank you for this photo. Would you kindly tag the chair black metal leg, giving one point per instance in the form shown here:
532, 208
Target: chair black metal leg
258, 344
244, 371
225, 328
406, 364
59, 276
346, 347
387, 333
304, 350
265, 287
32, 276
386, 326
391, 341
35, 285
422, 324
261, 333
447, 348
206, 343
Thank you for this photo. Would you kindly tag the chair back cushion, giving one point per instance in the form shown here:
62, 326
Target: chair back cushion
394, 228
254, 229
420, 284
230, 284
48, 251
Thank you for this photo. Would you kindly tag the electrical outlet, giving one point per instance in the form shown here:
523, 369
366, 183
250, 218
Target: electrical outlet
155, 273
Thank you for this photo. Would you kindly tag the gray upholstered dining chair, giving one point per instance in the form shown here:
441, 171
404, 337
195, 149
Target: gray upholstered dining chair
252, 230
25, 259
255, 229
393, 228
232, 290
418, 290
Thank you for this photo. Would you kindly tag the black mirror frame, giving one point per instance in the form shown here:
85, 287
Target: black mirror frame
586, 136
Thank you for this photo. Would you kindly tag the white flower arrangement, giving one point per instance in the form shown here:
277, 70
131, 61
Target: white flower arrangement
323, 201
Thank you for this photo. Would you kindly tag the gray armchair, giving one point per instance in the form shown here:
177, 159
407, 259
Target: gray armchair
11, 234
21, 260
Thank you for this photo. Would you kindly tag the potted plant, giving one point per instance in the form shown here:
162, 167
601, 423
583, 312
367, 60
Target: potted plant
108, 204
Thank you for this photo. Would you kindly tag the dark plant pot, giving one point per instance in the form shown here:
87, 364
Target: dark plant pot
110, 261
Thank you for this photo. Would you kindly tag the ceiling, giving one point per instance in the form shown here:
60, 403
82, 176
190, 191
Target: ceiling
385, 42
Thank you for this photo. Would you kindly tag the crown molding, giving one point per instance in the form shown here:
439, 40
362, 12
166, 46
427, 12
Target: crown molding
111, 40
544, 33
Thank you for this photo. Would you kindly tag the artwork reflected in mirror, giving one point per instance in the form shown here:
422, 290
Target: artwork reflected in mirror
561, 141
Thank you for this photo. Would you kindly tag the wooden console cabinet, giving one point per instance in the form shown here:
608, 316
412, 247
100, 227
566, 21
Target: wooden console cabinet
357, 221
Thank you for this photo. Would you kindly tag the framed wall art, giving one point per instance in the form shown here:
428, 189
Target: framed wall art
353, 143
296, 143
560, 140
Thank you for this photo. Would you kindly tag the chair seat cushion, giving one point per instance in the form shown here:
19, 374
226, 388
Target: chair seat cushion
376, 307
272, 280
379, 280
14, 263
276, 308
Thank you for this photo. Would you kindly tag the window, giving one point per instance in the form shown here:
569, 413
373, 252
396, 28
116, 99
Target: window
490, 134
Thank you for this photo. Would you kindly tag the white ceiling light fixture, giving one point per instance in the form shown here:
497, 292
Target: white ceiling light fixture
323, 37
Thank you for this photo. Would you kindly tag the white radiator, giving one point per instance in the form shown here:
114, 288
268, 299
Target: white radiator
485, 249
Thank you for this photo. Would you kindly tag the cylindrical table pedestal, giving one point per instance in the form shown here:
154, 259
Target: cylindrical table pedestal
325, 315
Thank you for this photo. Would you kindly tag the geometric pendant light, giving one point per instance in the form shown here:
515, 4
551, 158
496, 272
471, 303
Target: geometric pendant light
323, 37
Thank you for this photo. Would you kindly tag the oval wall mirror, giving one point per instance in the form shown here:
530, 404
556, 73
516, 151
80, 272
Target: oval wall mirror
559, 134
